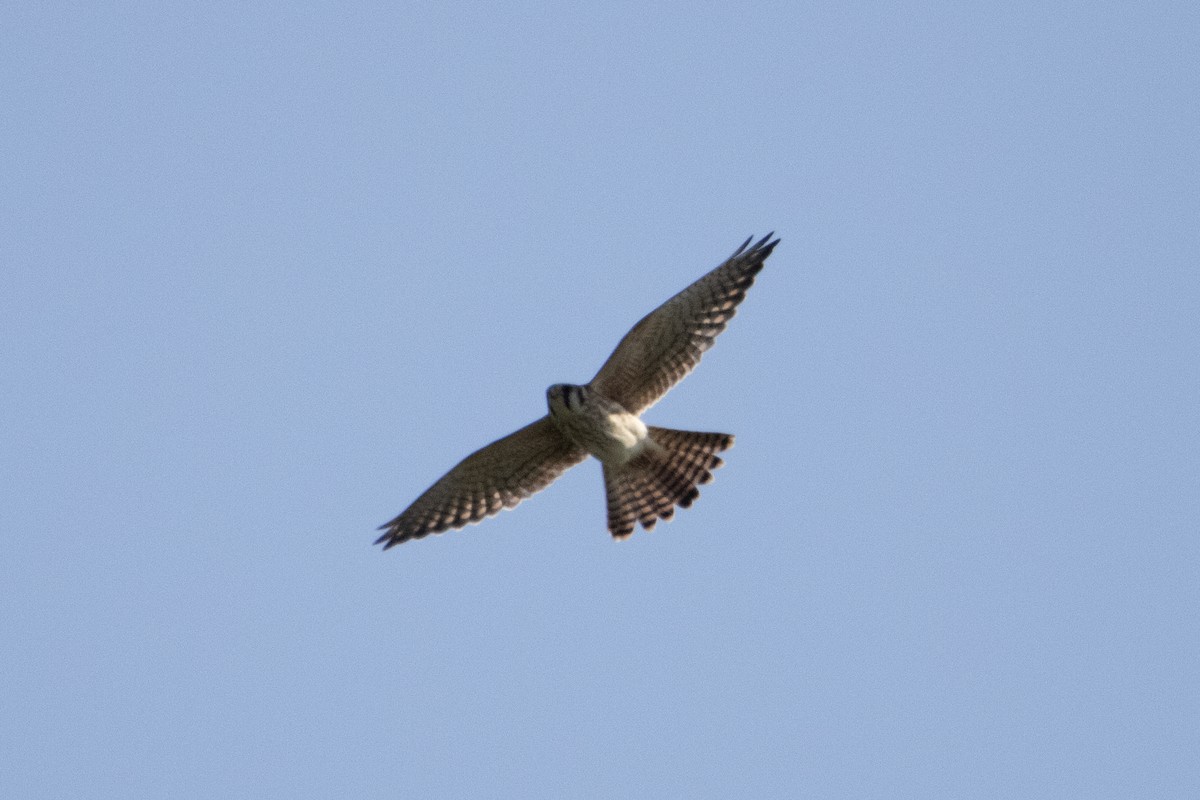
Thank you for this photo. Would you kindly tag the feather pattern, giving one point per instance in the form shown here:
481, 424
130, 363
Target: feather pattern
649, 487
668, 342
491, 479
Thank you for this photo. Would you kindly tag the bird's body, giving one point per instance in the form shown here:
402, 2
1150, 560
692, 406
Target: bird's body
598, 425
647, 470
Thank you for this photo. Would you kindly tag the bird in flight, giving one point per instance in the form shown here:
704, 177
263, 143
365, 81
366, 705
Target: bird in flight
647, 470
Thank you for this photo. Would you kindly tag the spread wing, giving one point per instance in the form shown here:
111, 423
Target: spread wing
667, 344
491, 479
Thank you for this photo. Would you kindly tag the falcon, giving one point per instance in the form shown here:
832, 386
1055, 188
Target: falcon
647, 470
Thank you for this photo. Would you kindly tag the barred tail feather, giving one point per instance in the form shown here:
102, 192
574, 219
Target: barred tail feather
665, 475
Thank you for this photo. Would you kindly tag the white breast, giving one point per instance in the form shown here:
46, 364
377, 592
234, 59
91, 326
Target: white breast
625, 437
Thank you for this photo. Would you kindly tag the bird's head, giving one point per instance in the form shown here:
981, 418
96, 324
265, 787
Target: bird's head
564, 398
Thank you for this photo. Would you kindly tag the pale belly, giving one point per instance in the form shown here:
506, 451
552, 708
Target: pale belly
613, 437
624, 438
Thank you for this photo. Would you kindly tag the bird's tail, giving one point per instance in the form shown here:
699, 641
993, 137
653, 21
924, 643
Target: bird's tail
664, 475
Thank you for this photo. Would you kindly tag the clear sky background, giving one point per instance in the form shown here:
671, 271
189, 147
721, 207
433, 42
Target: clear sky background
270, 270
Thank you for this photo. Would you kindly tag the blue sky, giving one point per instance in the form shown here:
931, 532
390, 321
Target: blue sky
269, 270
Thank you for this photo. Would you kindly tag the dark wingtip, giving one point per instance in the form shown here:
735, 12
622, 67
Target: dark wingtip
391, 536
765, 245
761, 249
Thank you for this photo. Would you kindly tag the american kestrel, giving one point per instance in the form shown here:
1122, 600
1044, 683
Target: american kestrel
647, 470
